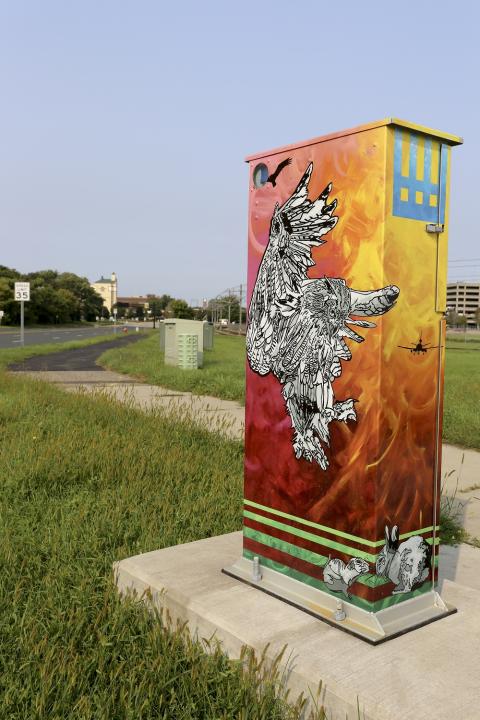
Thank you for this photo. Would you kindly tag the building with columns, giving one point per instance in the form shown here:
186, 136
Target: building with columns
107, 289
464, 299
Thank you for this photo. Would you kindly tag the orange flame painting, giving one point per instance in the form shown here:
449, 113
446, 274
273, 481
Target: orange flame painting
345, 346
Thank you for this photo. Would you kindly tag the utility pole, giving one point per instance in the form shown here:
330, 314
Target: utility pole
240, 310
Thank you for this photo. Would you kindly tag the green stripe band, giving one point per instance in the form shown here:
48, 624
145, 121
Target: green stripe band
313, 558
325, 542
338, 533
306, 555
353, 599
310, 536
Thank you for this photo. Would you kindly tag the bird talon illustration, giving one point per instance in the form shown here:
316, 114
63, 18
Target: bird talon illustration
344, 411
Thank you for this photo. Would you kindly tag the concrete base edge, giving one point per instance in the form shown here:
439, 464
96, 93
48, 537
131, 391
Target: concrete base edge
372, 627
430, 673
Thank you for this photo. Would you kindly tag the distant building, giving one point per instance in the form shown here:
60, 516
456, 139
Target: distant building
138, 306
107, 289
464, 299
135, 301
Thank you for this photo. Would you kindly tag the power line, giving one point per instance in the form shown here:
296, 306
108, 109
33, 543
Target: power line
464, 260
224, 304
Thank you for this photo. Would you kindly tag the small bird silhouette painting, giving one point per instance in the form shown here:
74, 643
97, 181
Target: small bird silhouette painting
272, 178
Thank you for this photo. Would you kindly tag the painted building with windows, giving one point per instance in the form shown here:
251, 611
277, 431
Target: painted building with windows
464, 299
107, 289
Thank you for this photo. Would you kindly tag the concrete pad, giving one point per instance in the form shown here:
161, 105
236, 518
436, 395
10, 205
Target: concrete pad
431, 673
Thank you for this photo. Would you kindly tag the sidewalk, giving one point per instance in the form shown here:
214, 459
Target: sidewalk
226, 416
461, 485
460, 468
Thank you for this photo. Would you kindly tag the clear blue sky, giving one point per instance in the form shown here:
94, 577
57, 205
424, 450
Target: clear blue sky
124, 125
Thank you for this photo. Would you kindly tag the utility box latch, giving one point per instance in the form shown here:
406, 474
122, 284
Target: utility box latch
434, 228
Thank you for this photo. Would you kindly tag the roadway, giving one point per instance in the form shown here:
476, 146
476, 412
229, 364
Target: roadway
83, 359
10, 337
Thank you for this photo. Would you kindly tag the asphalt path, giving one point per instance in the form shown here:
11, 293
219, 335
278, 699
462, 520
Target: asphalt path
10, 338
83, 358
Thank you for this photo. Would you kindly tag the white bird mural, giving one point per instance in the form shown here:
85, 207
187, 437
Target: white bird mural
297, 326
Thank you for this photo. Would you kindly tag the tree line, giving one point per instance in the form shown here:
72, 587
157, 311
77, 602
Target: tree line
157, 307
66, 297
54, 297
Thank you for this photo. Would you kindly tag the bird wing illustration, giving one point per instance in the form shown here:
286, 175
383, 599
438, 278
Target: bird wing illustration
298, 326
296, 227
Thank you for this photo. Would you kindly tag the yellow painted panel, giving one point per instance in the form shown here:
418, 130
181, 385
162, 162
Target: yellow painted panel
404, 194
433, 200
419, 197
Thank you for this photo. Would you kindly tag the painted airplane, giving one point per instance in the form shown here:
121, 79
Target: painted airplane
418, 347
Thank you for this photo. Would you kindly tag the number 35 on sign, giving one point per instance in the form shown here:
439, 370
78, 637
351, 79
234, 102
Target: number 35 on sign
22, 291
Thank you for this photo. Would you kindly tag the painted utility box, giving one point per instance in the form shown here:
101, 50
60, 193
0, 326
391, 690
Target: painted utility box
173, 328
207, 335
161, 335
345, 344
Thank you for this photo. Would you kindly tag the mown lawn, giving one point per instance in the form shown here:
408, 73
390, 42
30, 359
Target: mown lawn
461, 411
222, 375
85, 482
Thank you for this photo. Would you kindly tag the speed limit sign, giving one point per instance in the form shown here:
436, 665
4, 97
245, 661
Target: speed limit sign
22, 291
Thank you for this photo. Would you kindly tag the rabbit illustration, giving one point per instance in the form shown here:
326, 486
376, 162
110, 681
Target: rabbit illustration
406, 564
339, 576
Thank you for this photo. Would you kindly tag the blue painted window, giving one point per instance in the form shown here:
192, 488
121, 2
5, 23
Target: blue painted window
413, 198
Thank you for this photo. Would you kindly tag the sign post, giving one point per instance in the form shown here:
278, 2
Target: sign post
22, 294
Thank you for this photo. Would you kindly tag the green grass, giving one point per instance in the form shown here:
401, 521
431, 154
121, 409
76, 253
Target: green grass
461, 413
86, 481
223, 373
452, 531
224, 376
